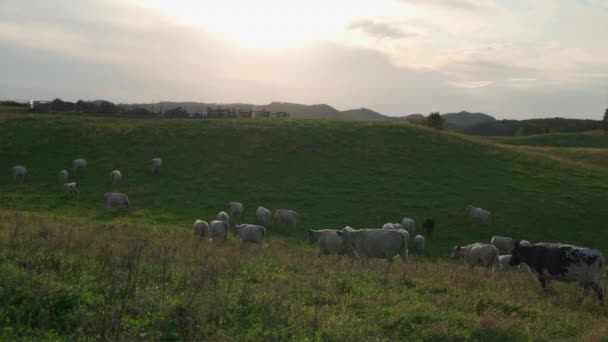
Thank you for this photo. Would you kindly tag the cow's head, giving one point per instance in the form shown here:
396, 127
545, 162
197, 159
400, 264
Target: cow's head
516, 257
236, 229
312, 236
456, 252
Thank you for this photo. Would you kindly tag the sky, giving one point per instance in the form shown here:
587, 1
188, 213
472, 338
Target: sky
511, 59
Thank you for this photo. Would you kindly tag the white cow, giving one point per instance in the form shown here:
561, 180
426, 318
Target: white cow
328, 240
63, 176
504, 264
70, 189
116, 176
223, 216
392, 226
79, 164
117, 198
236, 209
218, 229
478, 254
409, 225
419, 242
19, 172
504, 244
286, 216
251, 233
479, 214
156, 165
263, 216
201, 229
376, 243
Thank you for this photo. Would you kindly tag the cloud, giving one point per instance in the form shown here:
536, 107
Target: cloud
471, 84
380, 30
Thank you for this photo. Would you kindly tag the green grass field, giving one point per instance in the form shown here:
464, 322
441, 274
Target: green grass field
334, 174
597, 139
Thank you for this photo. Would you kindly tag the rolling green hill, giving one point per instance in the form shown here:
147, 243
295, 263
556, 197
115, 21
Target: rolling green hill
593, 139
73, 261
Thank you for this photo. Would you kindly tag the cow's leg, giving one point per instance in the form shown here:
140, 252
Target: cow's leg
585, 292
543, 283
599, 290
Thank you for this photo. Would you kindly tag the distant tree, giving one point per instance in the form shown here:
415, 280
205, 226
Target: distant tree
106, 108
57, 105
178, 112
139, 113
435, 120
84, 106
531, 129
605, 121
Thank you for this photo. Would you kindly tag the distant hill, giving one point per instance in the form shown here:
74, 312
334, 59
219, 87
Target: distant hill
295, 110
530, 127
414, 117
466, 119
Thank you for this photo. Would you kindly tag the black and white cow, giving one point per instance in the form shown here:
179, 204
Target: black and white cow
556, 261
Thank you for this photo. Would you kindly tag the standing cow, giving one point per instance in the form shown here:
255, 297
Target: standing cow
556, 261
201, 229
63, 176
409, 225
251, 233
504, 244
328, 240
376, 243
428, 226
263, 216
286, 216
156, 165
236, 209
79, 164
478, 254
218, 229
479, 214
19, 173
116, 177
117, 198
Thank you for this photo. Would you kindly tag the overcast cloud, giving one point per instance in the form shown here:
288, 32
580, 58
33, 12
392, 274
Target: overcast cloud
511, 59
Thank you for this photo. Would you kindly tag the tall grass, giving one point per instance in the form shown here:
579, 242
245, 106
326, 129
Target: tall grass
66, 279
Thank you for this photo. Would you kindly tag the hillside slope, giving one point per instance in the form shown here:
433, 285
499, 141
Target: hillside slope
71, 269
333, 173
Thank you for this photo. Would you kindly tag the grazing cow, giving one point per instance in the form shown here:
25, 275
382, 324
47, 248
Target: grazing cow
223, 216
376, 243
428, 226
409, 225
116, 176
286, 216
503, 260
70, 189
63, 176
504, 244
328, 240
477, 254
419, 243
236, 209
117, 198
392, 226
479, 214
79, 164
524, 243
19, 173
218, 229
201, 228
556, 261
251, 233
156, 165
263, 216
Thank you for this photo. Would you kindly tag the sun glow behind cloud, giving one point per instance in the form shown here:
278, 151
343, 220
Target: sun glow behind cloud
273, 24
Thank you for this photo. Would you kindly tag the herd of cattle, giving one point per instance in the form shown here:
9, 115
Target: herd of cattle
546, 261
